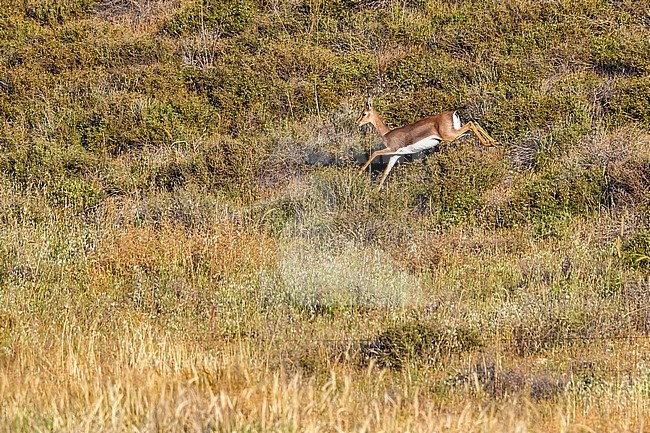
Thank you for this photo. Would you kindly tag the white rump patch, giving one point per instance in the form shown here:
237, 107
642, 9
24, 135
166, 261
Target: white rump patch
419, 146
457, 124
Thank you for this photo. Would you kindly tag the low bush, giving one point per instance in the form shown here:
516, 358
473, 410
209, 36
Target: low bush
417, 342
452, 185
636, 250
631, 102
620, 55
49, 12
227, 17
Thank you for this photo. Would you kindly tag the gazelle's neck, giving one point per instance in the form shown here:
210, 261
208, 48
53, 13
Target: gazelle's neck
379, 124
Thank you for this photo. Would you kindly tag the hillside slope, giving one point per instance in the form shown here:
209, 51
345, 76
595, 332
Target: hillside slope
186, 244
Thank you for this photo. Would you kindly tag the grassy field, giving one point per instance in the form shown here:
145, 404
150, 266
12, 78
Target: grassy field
186, 244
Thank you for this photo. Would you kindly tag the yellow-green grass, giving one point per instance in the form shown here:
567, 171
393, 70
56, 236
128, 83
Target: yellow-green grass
112, 325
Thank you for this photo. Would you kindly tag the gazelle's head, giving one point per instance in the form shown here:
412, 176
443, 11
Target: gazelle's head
367, 114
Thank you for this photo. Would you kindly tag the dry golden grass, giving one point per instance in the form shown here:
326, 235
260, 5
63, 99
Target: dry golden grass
146, 318
216, 251
79, 351
135, 376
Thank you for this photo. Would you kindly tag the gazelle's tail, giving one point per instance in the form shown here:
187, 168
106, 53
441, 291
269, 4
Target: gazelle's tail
457, 122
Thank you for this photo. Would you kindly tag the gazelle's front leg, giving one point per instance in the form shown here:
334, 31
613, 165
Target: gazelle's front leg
373, 155
389, 167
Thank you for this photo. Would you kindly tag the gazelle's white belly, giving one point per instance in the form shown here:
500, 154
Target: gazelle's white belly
419, 146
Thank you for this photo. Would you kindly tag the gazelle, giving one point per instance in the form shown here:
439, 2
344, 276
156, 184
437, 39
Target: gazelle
416, 137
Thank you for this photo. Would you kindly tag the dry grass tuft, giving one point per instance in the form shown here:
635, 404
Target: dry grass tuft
523, 153
217, 252
624, 156
136, 13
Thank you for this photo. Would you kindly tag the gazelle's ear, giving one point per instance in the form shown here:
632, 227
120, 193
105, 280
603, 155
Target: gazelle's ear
369, 103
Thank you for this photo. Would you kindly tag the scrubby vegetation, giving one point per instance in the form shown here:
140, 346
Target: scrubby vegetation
185, 243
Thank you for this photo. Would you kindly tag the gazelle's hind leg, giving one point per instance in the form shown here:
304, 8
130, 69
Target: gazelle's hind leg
483, 136
391, 162
486, 136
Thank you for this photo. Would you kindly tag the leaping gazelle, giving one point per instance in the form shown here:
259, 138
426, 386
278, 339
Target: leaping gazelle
424, 134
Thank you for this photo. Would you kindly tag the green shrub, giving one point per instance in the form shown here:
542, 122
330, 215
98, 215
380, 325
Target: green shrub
636, 250
52, 12
287, 81
620, 54
170, 176
336, 8
550, 199
631, 102
232, 93
124, 51
573, 192
228, 164
453, 183
129, 122
74, 193
610, 283
524, 110
418, 342
56, 56
26, 165
227, 17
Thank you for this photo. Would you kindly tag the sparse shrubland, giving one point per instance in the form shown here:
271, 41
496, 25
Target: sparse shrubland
185, 244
